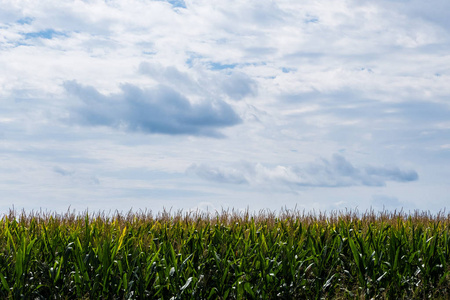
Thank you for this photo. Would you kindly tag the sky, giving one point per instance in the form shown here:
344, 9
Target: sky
215, 105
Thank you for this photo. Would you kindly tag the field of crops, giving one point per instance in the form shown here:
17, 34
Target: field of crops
227, 255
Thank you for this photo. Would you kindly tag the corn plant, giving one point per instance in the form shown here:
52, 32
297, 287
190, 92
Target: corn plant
232, 255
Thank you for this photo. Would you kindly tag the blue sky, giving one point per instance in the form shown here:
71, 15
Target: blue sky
325, 105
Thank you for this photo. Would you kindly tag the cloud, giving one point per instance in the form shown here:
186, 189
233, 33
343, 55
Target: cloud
76, 178
219, 80
238, 85
337, 172
384, 202
340, 172
358, 78
217, 174
435, 13
170, 76
159, 110
62, 171
393, 173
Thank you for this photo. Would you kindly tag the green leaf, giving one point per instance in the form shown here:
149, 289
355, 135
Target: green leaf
4, 282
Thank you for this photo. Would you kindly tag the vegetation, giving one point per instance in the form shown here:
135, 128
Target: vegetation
229, 255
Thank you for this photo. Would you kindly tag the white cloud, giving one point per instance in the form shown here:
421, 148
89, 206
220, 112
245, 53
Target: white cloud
286, 82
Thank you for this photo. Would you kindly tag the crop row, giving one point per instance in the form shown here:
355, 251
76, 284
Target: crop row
229, 256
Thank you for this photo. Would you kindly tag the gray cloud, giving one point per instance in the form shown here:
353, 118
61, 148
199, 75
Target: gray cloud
160, 110
340, 172
74, 177
238, 85
435, 13
392, 173
384, 202
169, 76
234, 84
216, 174
62, 171
337, 172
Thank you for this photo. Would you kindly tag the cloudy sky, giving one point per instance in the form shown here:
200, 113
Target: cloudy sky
137, 104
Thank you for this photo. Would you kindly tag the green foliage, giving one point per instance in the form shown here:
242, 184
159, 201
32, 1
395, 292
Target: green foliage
226, 256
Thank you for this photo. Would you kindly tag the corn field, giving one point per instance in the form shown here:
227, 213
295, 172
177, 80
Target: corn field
227, 255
